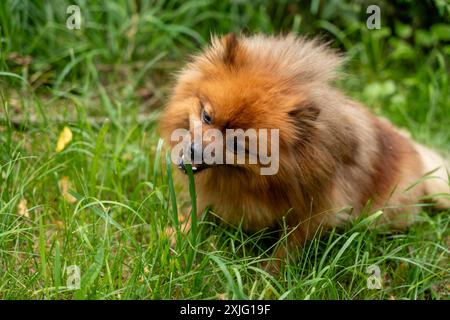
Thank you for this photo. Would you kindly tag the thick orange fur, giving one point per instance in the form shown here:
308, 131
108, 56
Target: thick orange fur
335, 156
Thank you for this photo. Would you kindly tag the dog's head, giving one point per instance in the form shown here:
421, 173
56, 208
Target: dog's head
247, 102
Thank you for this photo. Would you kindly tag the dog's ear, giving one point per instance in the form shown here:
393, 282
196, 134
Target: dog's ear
230, 47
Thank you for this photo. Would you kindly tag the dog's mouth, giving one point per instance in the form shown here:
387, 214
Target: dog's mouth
196, 167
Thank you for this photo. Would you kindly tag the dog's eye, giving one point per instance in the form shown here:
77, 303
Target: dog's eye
206, 118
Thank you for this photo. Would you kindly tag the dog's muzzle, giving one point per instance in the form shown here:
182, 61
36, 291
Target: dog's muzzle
196, 156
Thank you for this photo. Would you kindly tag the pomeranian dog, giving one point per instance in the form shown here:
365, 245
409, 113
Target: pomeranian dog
336, 159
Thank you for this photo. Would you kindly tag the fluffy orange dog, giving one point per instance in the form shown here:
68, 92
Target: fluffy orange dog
335, 156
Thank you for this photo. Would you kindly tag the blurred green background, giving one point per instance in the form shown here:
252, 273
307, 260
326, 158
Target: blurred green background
132, 47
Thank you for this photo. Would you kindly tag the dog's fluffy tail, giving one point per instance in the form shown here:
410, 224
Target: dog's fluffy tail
437, 183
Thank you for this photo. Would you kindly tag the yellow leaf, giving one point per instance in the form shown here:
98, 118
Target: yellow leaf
22, 209
64, 139
64, 186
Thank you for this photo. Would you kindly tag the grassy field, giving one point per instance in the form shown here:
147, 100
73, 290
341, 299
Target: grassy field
104, 200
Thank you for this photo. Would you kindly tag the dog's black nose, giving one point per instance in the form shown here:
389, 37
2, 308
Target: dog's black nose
196, 153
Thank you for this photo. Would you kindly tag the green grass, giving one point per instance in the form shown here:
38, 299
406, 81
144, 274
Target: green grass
122, 195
